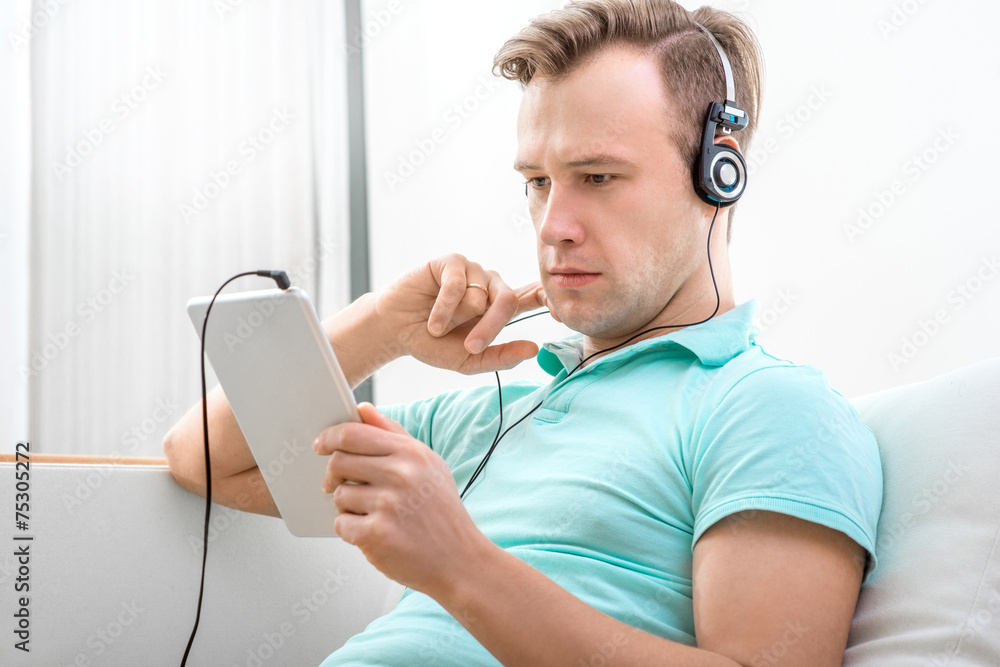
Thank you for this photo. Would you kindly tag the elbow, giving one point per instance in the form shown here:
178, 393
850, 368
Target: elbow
182, 463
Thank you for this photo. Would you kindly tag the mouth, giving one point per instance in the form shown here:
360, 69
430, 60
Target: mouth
572, 277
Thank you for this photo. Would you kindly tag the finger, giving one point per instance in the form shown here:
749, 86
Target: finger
533, 296
453, 286
530, 297
500, 357
356, 438
355, 498
345, 468
494, 319
351, 527
371, 416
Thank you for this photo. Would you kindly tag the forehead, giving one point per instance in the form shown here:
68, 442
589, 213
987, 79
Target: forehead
613, 103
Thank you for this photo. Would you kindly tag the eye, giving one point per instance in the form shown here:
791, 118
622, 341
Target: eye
600, 179
537, 183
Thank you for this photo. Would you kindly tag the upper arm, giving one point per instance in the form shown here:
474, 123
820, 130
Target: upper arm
771, 589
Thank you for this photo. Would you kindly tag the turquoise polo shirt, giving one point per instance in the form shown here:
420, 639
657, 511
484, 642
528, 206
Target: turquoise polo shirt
608, 485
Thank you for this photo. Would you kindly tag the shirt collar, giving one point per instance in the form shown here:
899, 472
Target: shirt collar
714, 342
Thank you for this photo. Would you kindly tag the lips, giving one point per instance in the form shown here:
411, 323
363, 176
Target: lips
572, 277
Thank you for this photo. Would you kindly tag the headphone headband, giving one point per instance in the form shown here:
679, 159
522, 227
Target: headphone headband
720, 174
732, 117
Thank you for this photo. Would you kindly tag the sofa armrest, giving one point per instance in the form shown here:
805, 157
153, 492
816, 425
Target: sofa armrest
113, 564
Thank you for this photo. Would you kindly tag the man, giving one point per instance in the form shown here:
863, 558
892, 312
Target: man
685, 498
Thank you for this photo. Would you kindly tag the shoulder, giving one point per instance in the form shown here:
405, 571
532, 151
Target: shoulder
759, 378
774, 435
768, 402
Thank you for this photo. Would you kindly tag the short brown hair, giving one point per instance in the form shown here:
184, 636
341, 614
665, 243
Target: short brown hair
555, 44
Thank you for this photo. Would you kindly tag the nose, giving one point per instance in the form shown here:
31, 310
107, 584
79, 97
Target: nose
561, 217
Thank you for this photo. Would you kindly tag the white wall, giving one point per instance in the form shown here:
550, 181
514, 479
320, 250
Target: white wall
854, 90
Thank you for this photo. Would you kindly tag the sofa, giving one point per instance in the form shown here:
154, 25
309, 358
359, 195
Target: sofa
115, 556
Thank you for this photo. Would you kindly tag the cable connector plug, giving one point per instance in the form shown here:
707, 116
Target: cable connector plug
279, 277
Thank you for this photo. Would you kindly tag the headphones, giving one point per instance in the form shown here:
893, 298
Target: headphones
720, 174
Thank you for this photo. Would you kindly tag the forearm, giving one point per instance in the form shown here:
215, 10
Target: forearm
524, 618
236, 481
360, 342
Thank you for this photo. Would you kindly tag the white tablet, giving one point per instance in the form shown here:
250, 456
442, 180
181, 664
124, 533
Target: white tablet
284, 384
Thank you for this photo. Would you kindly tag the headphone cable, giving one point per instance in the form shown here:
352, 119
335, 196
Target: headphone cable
499, 436
282, 280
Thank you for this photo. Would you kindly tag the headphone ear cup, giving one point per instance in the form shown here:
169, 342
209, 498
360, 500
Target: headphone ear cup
721, 174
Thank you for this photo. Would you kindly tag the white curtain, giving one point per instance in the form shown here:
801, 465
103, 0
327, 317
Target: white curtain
173, 144
15, 198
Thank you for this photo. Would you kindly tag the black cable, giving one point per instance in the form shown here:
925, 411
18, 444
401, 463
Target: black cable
283, 283
496, 440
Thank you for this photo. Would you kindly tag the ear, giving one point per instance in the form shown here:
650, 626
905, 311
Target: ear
727, 140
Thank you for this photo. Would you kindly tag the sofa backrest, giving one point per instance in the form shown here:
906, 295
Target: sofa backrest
934, 598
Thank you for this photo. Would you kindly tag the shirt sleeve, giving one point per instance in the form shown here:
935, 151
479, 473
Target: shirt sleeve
448, 422
782, 440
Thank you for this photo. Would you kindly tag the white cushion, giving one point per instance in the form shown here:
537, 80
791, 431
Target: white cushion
934, 598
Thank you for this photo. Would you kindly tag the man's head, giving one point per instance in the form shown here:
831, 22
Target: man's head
616, 93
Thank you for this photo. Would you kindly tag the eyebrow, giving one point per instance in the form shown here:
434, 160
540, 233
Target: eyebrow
600, 160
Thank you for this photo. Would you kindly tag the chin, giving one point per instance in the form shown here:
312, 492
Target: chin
594, 325
607, 323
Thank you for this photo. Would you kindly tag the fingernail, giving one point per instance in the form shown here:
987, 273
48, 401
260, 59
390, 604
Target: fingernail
476, 346
436, 328
316, 445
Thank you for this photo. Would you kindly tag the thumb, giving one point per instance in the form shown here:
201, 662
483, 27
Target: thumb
371, 416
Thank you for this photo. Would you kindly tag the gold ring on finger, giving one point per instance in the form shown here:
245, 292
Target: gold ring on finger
485, 291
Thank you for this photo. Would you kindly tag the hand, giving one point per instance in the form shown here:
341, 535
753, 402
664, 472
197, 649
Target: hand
438, 318
403, 509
